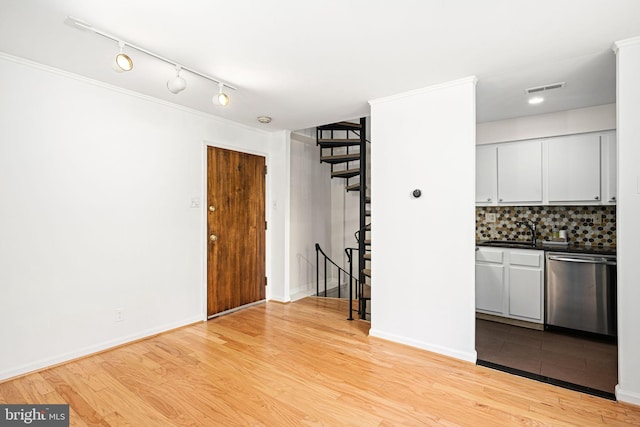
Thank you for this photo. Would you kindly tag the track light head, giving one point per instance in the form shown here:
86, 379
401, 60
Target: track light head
122, 61
222, 98
177, 84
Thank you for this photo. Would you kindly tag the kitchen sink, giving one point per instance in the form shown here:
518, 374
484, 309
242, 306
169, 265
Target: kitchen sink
508, 243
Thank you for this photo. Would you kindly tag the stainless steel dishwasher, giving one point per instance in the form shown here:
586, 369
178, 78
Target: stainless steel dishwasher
581, 292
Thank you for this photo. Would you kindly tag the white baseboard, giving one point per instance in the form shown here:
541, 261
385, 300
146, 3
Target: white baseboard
302, 294
86, 351
471, 357
309, 289
627, 396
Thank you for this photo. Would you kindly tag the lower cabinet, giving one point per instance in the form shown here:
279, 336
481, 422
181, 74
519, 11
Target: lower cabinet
510, 283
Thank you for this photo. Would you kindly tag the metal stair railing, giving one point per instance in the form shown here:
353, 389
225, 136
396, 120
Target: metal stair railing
341, 272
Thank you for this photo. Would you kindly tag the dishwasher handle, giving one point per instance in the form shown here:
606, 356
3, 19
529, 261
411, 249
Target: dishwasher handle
582, 260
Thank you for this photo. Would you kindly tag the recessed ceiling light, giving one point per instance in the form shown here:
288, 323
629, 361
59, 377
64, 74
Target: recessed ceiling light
264, 119
536, 100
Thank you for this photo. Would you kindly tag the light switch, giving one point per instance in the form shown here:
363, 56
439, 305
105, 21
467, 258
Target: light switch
490, 217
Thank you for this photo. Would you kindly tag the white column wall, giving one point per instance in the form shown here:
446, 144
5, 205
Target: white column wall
96, 193
628, 226
423, 284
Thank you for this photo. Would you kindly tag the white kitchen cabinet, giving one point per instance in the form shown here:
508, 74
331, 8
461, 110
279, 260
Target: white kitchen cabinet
609, 167
510, 283
520, 172
486, 175
526, 283
565, 170
574, 169
490, 288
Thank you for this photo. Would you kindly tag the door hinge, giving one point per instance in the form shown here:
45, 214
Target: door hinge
265, 169
265, 225
265, 280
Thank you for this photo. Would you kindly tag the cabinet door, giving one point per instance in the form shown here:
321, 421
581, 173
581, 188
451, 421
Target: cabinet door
574, 168
520, 172
610, 167
525, 293
490, 287
486, 174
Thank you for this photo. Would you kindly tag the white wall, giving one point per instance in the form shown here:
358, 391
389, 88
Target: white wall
310, 213
628, 211
582, 120
423, 285
96, 186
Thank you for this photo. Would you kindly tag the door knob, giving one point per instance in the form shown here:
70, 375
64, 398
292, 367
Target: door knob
213, 238
212, 208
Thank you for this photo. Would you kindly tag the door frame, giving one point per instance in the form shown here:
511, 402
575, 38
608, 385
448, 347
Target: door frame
203, 215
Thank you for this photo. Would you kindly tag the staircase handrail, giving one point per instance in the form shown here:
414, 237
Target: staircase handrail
352, 278
357, 233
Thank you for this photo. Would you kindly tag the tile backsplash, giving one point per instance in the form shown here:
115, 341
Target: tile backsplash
585, 225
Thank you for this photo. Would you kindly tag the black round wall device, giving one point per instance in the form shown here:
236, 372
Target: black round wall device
417, 193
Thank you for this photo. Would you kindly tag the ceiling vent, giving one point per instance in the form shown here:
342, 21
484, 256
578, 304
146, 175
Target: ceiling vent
545, 88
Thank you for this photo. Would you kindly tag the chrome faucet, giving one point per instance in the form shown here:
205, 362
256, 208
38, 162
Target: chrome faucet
532, 227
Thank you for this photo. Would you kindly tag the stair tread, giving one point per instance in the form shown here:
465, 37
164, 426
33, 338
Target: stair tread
367, 257
340, 158
341, 126
366, 271
367, 213
353, 187
347, 173
367, 242
367, 199
338, 142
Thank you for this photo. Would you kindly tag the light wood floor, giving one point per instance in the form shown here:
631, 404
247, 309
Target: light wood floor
298, 364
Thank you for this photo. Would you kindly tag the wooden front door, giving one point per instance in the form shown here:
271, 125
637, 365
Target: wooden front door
236, 229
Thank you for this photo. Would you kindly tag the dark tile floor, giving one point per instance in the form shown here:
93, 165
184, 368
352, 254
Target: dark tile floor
577, 360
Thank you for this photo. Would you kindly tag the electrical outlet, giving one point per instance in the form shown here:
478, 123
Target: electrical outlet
119, 314
490, 217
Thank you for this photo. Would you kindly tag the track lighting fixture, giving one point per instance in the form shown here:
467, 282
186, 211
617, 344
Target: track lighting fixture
177, 84
223, 98
123, 62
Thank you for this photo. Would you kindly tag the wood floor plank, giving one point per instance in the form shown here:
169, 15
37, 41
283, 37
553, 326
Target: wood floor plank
297, 364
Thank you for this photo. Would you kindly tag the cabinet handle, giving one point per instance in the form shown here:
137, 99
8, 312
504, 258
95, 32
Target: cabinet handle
613, 199
489, 199
597, 198
499, 200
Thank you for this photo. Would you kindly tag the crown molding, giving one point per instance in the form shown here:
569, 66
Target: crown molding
624, 43
472, 79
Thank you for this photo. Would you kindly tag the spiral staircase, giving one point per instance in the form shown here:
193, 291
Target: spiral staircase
343, 145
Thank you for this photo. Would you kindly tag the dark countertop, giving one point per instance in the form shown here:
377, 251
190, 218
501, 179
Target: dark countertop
572, 248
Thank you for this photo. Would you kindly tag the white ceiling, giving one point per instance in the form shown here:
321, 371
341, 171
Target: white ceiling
307, 63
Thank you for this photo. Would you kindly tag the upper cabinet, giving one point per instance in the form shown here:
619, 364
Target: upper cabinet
609, 167
520, 172
574, 168
486, 174
567, 170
